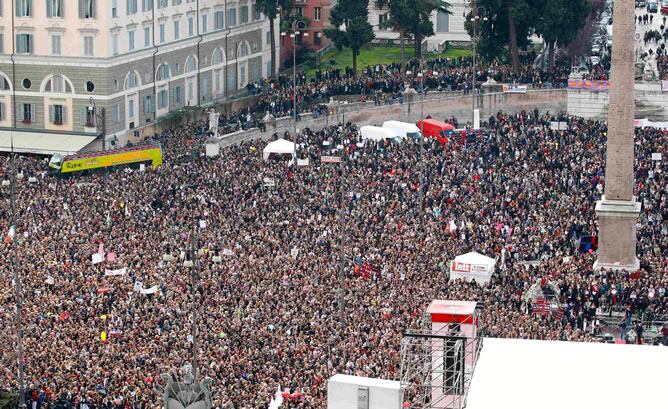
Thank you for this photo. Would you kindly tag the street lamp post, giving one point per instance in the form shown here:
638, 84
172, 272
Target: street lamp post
98, 120
295, 26
475, 17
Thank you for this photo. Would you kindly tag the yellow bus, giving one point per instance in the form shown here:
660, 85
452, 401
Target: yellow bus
146, 154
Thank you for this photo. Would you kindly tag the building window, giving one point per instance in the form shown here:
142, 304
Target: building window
132, 80
24, 43
90, 86
231, 17
148, 104
26, 83
191, 26
299, 11
131, 40
147, 36
205, 88
178, 95
218, 20
162, 32
87, 9
54, 8
205, 23
2, 43
56, 44
23, 8
27, 113
176, 2
57, 114
163, 99
89, 49
132, 6
256, 13
243, 14
177, 29
163, 72
268, 37
442, 22
162, 4
114, 8
382, 22
115, 113
317, 13
317, 38
114, 44
147, 5
131, 108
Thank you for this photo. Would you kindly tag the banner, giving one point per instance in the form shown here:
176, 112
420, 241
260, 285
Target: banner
515, 89
302, 162
151, 290
589, 84
330, 159
646, 123
97, 258
119, 272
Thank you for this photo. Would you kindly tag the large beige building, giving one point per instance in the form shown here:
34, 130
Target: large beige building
136, 59
447, 27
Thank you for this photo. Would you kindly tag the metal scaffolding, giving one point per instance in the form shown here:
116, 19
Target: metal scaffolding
437, 367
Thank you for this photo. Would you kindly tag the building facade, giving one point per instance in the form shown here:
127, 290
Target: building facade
316, 13
62, 61
447, 27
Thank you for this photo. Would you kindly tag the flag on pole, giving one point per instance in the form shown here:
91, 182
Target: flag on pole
10, 234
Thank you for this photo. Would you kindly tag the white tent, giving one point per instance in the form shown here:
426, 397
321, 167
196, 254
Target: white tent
472, 266
280, 146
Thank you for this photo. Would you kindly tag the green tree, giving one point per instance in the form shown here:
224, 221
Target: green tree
350, 19
271, 8
412, 18
558, 23
508, 26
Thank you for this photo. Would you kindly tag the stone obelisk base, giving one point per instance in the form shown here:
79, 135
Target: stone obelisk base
617, 235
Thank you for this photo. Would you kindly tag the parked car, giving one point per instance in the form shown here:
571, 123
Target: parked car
664, 7
641, 3
652, 6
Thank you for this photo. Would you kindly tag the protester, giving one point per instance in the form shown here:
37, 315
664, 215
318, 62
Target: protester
269, 313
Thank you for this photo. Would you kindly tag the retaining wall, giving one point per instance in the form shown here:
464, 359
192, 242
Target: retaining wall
438, 106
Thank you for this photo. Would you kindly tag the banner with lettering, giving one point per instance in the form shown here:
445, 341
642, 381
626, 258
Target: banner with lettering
589, 84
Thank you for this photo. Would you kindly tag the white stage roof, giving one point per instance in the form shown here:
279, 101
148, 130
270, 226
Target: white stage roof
44, 143
529, 374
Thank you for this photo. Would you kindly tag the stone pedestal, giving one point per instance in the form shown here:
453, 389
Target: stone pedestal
617, 234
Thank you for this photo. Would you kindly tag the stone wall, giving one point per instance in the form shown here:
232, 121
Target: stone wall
438, 106
651, 103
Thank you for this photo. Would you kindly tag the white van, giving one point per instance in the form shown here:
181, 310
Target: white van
376, 133
403, 129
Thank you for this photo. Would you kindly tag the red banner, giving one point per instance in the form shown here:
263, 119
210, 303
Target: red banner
589, 84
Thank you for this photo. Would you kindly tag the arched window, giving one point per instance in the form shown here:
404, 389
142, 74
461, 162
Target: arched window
217, 56
243, 50
58, 84
191, 64
163, 72
4, 84
132, 80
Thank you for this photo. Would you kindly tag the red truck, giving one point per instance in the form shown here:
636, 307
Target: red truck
432, 128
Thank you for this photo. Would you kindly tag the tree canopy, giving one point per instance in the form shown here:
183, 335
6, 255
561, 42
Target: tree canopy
350, 19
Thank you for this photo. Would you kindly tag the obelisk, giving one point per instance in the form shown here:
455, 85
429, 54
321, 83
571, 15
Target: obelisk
618, 210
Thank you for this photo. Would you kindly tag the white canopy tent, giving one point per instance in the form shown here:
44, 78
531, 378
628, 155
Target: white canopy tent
280, 146
473, 266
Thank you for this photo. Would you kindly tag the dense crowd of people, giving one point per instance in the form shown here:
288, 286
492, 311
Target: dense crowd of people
383, 84
268, 239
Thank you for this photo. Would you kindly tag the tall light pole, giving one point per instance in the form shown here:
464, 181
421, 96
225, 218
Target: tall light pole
295, 26
475, 16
